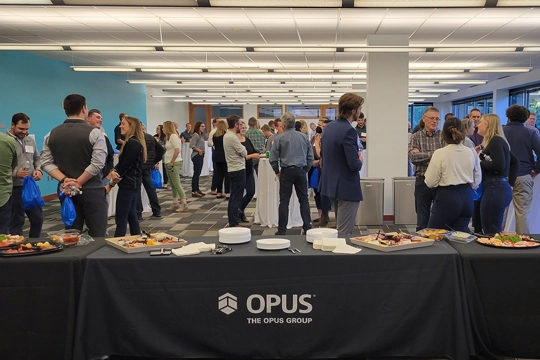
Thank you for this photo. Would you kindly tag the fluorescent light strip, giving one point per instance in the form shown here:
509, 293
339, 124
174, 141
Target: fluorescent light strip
171, 70
363, 70
462, 82
474, 49
103, 68
32, 47
531, 48
377, 49
250, 70
304, 70
433, 90
275, 3
527, 3
26, 2
112, 48
419, 3
436, 70
295, 49
500, 70
204, 48
153, 82
422, 95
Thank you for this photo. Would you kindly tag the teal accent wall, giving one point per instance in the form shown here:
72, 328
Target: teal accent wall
36, 86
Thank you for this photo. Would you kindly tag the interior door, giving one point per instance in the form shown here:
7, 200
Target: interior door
201, 113
329, 111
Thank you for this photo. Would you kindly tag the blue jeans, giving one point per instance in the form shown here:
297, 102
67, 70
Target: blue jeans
5, 215
452, 208
197, 168
423, 197
238, 184
496, 197
35, 216
126, 212
250, 191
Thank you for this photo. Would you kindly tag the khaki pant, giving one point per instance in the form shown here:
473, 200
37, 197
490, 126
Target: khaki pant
522, 196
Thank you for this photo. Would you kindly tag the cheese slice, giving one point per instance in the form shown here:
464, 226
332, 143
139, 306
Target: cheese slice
345, 249
329, 244
317, 244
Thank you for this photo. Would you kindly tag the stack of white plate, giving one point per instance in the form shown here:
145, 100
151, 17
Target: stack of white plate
235, 235
273, 244
320, 233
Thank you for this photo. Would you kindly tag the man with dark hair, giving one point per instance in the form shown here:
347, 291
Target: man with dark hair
257, 138
291, 158
475, 115
8, 163
531, 122
96, 120
421, 147
119, 139
448, 116
341, 164
279, 129
154, 154
74, 154
361, 129
28, 164
523, 142
272, 125
235, 155
186, 136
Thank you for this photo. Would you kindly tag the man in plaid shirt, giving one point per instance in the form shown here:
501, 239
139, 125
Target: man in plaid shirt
257, 139
421, 147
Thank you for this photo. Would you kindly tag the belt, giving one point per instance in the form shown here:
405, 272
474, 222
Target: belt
494, 178
291, 167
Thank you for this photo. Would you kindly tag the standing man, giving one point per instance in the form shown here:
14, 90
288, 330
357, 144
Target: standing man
29, 164
119, 139
531, 121
421, 147
74, 154
8, 163
257, 138
96, 120
272, 125
213, 186
235, 155
279, 130
361, 129
475, 115
523, 141
186, 136
341, 164
292, 152
154, 154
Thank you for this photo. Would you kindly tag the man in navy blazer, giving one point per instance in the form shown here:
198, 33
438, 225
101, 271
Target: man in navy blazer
341, 164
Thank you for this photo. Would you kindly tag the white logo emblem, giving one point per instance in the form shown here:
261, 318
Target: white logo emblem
227, 303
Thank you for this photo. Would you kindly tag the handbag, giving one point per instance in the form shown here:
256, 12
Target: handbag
31, 196
157, 180
314, 179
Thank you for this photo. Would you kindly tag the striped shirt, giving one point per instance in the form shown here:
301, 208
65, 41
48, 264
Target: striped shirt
426, 145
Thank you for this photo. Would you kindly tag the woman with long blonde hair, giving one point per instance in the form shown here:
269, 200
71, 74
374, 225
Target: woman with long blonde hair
128, 174
220, 168
172, 160
499, 171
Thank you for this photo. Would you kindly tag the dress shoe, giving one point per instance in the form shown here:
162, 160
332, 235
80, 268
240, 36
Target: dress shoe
201, 193
196, 194
156, 215
213, 192
242, 217
324, 220
316, 220
220, 197
140, 218
280, 233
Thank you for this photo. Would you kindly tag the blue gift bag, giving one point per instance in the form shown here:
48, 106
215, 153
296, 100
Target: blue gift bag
68, 210
477, 193
157, 180
31, 196
314, 179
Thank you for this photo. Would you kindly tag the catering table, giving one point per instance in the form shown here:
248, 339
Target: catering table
251, 303
534, 212
113, 194
503, 293
266, 208
39, 296
187, 166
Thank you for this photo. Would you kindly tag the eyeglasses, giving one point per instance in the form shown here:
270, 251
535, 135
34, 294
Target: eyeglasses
433, 118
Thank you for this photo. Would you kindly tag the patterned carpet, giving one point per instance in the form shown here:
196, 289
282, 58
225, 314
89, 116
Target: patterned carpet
205, 217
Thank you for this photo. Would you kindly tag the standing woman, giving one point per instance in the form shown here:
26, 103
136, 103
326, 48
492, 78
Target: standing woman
128, 174
162, 140
220, 168
454, 172
250, 178
499, 171
173, 164
197, 157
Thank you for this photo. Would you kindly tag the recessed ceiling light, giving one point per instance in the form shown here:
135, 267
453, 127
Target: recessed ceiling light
276, 3
204, 48
112, 48
295, 49
419, 3
475, 49
103, 68
32, 47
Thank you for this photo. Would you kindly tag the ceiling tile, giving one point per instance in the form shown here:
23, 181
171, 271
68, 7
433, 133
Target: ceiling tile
125, 12
276, 38
208, 37
174, 12
318, 14
132, 36
176, 37
318, 38
251, 38
271, 15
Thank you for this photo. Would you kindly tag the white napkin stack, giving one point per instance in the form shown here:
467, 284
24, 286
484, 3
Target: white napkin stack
335, 245
320, 233
193, 249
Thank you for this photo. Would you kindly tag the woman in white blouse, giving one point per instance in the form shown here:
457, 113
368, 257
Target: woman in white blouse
173, 164
454, 171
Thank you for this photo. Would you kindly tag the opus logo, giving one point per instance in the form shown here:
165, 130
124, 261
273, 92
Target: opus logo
227, 303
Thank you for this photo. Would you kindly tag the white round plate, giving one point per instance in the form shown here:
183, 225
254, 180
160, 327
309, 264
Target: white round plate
273, 244
236, 240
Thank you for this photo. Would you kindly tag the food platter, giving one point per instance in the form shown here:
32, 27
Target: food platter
9, 241
509, 241
460, 237
70, 237
31, 248
392, 241
142, 243
434, 234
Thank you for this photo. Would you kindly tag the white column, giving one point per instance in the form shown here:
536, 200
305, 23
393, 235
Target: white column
500, 103
387, 96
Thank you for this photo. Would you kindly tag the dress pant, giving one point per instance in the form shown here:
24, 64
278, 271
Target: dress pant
35, 215
213, 186
452, 208
423, 197
322, 202
5, 216
496, 196
220, 169
345, 215
165, 176
197, 169
150, 191
250, 191
297, 177
522, 196
126, 212
238, 184
91, 208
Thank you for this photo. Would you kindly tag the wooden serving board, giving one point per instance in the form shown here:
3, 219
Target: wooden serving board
386, 248
132, 250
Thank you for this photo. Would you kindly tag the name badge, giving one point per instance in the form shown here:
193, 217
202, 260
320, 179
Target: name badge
363, 135
29, 149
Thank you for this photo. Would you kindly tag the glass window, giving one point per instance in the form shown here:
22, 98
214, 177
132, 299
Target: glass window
305, 111
269, 111
223, 111
462, 108
416, 111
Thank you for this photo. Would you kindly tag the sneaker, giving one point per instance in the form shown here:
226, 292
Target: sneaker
173, 207
213, 192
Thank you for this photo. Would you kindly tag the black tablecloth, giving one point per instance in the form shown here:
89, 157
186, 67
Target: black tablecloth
368, 304
39, 296
503, 292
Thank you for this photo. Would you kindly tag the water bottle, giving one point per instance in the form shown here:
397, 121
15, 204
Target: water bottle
26, 166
